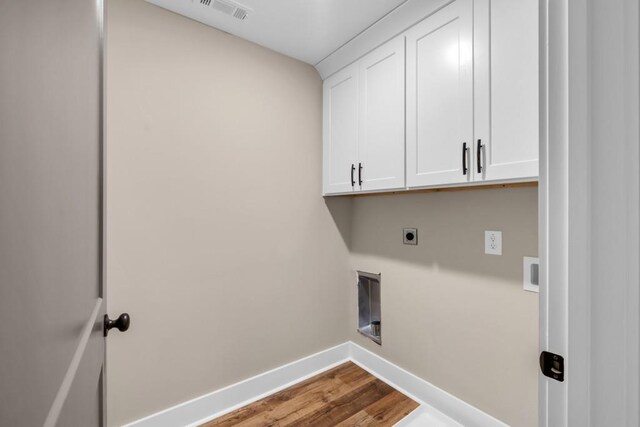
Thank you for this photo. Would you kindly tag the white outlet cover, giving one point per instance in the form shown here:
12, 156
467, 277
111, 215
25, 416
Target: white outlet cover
530, 274
493, 242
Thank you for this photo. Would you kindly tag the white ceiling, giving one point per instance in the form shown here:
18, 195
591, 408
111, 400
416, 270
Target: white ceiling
308, 30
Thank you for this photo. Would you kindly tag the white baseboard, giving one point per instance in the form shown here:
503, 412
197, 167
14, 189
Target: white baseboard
440, 405
435, 403
205, 408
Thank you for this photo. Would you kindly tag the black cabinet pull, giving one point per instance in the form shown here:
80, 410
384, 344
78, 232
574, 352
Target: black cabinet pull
464, 158
353, 180
479, 154
360, 174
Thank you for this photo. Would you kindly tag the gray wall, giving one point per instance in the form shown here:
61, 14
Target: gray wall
218, 242
451, 314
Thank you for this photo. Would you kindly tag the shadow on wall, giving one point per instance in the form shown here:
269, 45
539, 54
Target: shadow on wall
341, 210
450, 225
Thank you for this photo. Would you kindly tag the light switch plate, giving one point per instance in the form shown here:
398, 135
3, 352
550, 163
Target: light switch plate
493, 242
531, 274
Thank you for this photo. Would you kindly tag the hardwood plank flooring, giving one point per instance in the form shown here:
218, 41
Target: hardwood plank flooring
346, 395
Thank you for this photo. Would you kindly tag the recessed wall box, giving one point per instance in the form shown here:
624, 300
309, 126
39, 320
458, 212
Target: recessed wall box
369, 309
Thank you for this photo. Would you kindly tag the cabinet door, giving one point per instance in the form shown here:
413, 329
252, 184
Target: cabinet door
381, 138
506, 88
440, 97
340, 131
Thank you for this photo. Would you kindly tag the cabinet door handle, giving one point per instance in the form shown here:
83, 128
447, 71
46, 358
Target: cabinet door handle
353, 180
479, 155
464, 158
360, 174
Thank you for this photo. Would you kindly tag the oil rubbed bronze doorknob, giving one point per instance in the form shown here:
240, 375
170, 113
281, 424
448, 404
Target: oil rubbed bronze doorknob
121, 323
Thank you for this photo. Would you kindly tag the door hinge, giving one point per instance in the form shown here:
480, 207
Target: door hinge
552, 365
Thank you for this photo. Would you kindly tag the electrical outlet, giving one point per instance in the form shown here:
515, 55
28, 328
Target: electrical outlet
410, 236
493, 242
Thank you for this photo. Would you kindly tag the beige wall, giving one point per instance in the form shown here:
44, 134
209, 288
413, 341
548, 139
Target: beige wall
220, 246
451, 314
218, 243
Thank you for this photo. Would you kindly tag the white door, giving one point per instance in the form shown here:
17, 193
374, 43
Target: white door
340, 131
506, 56
381, 139
440, 97
51, 290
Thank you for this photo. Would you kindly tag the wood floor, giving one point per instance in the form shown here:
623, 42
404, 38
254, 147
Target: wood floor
343, 396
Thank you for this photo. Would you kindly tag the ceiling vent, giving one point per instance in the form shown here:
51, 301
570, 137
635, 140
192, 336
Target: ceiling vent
228, 8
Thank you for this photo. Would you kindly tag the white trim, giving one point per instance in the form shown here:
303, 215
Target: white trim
437, 401
390, 26
215, 404
576, 172
542, 205
589, 213
553, 205
205, 408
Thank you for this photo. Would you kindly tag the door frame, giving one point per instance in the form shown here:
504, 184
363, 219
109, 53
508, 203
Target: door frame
576, 316
102, 7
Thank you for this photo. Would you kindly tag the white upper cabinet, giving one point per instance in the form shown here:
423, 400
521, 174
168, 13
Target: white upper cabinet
364, 123
340, 131
381, 143
451, 101
440, 97
506, 90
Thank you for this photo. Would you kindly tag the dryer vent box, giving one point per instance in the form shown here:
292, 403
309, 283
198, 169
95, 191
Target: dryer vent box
369, 308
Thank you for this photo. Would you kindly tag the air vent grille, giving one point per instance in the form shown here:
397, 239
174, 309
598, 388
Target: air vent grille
228, 7
240, 14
